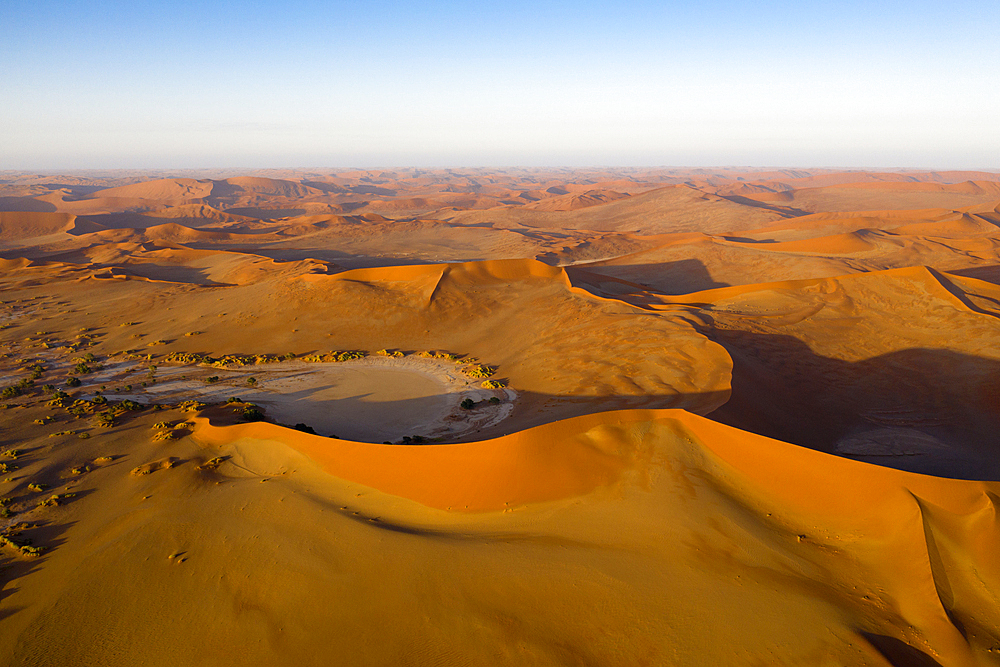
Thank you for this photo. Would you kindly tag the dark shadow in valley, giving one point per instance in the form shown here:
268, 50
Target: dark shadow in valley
898, 652
990, 274
683, 276
787, 211
929, 411
27, 204
267, 213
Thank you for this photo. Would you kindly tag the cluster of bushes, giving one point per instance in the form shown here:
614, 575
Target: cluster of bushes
17, 389
448, 356
105, 419
12, 391
493, 384
389, 353
247, 360
251, 413
24, 546
83, 365
337, 355
186, 358
479, 370
469, 404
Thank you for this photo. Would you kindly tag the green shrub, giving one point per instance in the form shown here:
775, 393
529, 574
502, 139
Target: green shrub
252, 413
73, 382
494, 400
468, 404
105, 419
11, 392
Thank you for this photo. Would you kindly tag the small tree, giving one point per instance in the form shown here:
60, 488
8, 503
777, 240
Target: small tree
468, 404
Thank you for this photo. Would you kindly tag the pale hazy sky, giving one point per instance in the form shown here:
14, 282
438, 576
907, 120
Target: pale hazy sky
436, 83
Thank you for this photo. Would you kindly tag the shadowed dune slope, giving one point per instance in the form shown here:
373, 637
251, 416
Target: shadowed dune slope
896, 366
17, 225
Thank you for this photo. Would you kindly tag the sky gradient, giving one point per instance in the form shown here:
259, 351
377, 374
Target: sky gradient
327, 84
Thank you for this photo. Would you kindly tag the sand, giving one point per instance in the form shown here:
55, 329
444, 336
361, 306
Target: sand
746, 418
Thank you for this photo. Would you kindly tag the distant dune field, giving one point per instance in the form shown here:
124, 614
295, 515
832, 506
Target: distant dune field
500, 417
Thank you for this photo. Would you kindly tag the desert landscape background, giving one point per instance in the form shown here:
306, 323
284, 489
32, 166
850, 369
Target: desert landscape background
500, 417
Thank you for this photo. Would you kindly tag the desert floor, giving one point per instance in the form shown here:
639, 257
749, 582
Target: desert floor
500, 417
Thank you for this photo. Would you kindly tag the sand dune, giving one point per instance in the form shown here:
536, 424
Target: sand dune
162, 189
673, 209
883, 195
741, 417
16, 225
705, 516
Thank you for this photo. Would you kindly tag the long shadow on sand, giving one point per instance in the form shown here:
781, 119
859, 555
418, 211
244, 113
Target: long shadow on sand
923, 410
683, 276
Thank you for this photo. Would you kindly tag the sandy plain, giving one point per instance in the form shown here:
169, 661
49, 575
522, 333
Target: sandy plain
740, 417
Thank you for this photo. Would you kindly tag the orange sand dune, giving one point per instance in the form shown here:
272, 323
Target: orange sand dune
16, 225
839, 244
672, 209
882, 195
265, 186
189, 215
718, 535
162, 189
574, 201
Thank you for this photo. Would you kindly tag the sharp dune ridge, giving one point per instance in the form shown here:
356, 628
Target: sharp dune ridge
651, 416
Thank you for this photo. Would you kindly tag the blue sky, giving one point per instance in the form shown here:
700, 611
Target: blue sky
437, 83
